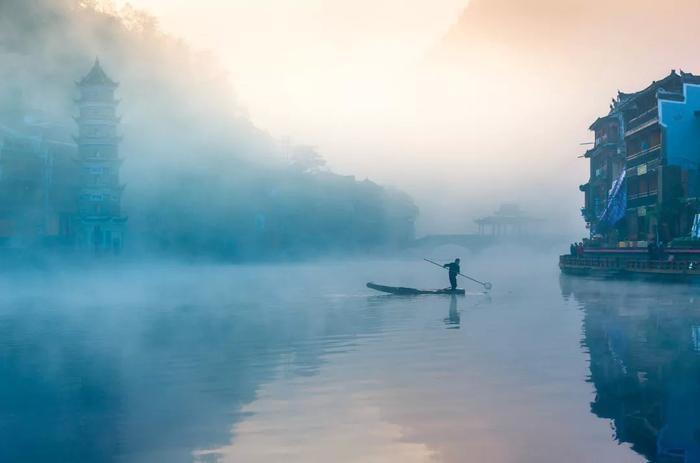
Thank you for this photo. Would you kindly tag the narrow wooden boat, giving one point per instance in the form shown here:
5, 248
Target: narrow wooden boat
413, 291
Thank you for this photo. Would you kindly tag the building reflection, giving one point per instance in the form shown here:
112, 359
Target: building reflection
644, 346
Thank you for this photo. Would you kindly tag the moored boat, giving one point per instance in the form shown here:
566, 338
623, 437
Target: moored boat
413, 291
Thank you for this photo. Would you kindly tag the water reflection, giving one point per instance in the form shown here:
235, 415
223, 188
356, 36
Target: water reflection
209, 364
453, 319
92, 374
645, 363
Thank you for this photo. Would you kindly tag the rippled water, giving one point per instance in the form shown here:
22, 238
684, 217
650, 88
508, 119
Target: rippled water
301, 363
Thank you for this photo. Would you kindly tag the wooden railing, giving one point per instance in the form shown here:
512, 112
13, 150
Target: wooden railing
643, 195
666, 267
639, 154
646, 116
681, 266
587, 262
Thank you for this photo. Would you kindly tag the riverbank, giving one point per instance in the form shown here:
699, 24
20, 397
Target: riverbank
674, 263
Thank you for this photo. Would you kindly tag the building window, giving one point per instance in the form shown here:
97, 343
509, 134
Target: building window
695, 332
633, 186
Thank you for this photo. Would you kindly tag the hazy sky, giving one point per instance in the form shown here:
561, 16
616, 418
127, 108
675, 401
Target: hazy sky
292, 60
330, 73
462, 104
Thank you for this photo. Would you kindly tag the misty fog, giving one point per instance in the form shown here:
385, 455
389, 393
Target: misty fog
507, 84
266, 178
201, 180
206, 364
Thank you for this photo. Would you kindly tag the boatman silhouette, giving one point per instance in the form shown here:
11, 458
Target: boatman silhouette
454, 269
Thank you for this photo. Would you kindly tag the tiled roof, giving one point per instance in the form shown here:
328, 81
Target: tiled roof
97, 76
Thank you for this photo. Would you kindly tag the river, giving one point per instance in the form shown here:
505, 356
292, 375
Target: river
302, 363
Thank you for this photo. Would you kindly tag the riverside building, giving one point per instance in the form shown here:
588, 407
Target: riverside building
650, 143
642, 197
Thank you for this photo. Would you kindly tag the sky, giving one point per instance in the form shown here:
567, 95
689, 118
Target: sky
463, 105
331, 74
292, 61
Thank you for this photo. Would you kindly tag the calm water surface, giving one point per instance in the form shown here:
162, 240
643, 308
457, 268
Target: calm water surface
301, 363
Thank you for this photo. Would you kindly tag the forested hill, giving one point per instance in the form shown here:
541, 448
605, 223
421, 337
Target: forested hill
200, 179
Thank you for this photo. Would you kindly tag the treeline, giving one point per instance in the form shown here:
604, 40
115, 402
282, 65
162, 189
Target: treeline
200, 178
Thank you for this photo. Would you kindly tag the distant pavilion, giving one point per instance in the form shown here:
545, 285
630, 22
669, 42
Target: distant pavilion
507, 220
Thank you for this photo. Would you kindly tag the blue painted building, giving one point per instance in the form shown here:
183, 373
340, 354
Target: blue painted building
658, 145
679, 118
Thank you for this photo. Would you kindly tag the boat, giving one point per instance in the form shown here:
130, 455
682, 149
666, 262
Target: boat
413, 291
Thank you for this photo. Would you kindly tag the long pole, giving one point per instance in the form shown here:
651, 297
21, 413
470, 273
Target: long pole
486, 285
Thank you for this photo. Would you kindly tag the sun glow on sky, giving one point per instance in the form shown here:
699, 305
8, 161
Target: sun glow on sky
498, 115
294, 62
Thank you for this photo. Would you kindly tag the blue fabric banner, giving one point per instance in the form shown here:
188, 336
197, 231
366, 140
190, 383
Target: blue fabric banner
617, 205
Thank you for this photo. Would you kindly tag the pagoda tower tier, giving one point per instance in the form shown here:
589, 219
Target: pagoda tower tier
100, 223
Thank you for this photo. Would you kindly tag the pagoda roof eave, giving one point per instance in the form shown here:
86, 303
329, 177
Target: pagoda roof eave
103, 219
97, 77
84, 83
507, 220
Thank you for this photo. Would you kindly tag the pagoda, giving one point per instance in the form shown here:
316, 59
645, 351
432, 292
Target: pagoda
100, 225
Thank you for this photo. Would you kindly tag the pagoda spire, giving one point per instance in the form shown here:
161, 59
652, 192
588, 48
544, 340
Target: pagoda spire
97, 77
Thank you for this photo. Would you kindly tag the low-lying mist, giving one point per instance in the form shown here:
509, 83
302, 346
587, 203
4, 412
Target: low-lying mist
201, 180
498, 110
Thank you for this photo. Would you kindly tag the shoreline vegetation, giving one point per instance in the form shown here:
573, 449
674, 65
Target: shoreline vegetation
201, 181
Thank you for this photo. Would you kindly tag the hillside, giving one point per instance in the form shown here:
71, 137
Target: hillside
201, 179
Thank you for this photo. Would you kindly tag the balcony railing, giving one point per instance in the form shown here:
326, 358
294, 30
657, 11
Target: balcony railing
643, 118
674, 267
632, 171
648, 199
643, 195
606, 139
639, 154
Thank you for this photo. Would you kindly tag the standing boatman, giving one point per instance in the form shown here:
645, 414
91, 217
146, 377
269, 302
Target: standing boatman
454, 269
